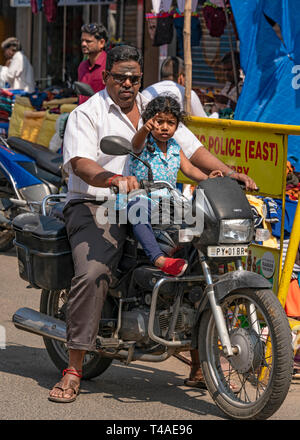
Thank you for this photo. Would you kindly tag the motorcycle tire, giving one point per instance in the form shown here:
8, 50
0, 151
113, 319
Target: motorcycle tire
53, 303
253, 383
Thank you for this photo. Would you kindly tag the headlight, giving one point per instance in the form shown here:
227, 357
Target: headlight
236, 231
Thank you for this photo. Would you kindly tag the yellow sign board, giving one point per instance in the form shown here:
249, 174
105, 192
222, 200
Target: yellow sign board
260, 151
260, 155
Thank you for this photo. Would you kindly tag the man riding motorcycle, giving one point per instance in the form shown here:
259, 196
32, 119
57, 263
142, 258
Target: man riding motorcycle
97, 248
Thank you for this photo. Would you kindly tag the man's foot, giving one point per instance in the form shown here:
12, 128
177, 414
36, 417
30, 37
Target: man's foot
67, 389
172, 266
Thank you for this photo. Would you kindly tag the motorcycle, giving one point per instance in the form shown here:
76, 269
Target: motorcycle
28, 173
234, 319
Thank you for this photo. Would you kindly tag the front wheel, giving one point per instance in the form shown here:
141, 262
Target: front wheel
254, 382
53, 303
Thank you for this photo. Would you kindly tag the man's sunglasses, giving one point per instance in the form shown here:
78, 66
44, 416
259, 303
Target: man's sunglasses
120, 78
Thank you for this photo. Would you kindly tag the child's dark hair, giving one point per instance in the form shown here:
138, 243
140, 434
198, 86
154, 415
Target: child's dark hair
163, 104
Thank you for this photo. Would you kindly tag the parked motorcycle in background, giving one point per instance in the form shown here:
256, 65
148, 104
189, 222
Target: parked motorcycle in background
28, 173
235, 320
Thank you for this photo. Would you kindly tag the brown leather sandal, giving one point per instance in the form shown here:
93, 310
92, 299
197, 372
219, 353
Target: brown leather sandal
71, 385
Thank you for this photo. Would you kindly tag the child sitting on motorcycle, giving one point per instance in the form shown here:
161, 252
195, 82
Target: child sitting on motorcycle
155, 144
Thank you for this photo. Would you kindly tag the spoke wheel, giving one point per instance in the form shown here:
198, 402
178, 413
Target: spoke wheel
253, 383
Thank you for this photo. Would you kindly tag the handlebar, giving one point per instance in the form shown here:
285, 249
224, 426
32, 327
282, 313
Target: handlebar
149, 185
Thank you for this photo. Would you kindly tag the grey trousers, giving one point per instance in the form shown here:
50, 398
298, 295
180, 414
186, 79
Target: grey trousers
96, 251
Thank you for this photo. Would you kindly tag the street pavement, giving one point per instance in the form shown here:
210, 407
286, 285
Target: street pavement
140, 391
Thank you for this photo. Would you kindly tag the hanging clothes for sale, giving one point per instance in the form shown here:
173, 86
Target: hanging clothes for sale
164, 29
196, 31
161, 5
36, 6
215, 19
50, 10
160, 23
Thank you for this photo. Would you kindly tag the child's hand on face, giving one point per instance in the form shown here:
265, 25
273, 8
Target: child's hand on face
215, 173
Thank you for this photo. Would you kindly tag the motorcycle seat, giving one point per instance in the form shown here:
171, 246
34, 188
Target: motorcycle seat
46, 159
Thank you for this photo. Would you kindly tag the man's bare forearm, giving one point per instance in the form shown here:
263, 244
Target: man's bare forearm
207, 162
138, 140
90, 172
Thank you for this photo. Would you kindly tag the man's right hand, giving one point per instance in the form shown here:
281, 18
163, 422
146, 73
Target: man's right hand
125, 183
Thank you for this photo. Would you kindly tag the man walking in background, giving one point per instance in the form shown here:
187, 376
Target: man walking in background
17, 72
172, 83
93, 39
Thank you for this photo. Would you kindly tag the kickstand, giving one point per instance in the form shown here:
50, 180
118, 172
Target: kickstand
183, 359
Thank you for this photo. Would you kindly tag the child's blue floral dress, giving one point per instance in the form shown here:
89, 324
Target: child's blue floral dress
163, 168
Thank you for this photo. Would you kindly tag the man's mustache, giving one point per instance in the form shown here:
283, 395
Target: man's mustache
127, 90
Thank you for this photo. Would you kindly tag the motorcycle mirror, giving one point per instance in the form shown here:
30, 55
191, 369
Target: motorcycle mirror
118, 146
83, 89
115, 146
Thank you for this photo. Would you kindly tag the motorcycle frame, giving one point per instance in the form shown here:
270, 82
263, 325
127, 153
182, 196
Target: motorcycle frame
213, 294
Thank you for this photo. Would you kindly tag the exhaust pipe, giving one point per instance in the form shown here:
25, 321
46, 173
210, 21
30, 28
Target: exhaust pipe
44, 325
35, 322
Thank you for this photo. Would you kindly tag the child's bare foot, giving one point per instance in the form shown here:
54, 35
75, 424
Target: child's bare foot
171, 266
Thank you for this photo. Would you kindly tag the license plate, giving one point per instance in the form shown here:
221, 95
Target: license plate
227, 251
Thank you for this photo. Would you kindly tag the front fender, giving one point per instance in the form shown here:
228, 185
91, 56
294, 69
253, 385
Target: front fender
239, 279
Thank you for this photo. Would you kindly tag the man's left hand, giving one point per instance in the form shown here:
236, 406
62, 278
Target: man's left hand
249, 183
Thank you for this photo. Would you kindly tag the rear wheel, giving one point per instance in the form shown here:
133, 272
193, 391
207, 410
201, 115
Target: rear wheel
53, 303
254, 382
6, 232
6, 238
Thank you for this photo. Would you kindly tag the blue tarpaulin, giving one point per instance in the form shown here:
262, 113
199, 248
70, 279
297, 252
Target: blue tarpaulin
271, 91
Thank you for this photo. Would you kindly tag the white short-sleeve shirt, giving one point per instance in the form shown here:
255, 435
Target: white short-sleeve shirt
172, 88
19, 74
89, 123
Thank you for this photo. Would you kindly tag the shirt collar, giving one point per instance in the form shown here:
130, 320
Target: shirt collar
140, 100
171, 148
101, 58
